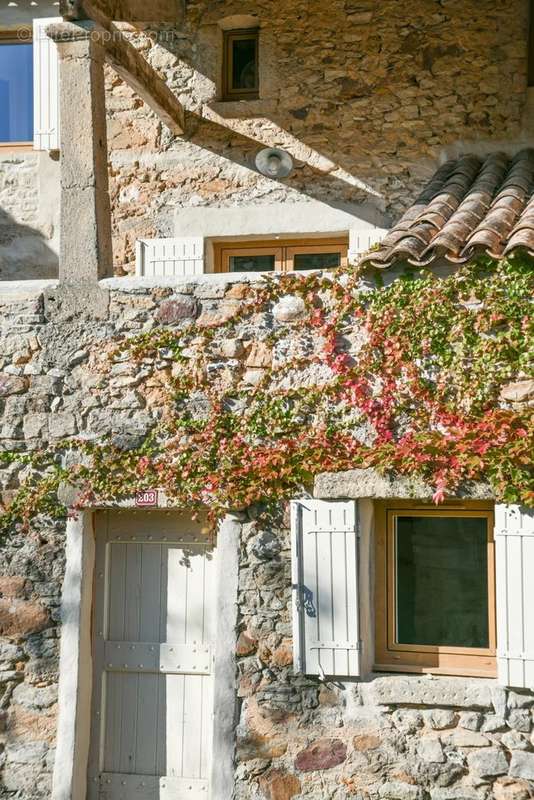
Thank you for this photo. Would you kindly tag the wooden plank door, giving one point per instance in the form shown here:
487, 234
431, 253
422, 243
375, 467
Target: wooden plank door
153, 658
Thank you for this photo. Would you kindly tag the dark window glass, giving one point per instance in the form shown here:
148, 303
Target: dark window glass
316, 260
244, 73
16, 92
442, 581
251, 263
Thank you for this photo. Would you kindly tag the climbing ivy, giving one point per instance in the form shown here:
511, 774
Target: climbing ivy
404, 378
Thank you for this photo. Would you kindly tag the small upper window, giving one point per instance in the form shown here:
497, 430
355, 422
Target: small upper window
435, 590
16, 88
280, 256
240, 65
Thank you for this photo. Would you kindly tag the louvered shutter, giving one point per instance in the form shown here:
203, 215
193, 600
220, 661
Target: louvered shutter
168, 257
45, 87
514, 543
326, 638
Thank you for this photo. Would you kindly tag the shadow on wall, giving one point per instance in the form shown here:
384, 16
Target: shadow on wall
25, 252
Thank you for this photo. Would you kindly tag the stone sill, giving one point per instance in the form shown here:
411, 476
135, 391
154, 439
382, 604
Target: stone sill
239, 109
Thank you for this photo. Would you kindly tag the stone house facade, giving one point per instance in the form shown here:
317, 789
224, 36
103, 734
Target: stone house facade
301, 696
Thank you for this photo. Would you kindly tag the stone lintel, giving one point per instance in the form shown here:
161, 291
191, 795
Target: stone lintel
368, 483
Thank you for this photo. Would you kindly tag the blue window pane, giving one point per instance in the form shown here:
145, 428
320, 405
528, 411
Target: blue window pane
16, 92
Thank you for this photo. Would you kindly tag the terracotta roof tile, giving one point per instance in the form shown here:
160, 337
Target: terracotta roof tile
470, 205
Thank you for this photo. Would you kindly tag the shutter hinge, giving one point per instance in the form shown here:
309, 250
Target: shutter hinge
336, 645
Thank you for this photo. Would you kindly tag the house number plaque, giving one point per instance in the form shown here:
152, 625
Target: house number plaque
147, 498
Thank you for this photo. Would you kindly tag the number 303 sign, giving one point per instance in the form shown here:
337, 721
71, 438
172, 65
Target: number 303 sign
147, 498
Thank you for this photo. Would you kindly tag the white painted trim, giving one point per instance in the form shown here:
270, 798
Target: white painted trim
224, 687
75, 663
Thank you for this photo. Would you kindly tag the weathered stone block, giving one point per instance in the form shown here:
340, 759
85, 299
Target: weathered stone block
457, 793
522, 765
26, 752
441, 718
464, 738
520, 720
12, 384
34, 697
321, 754
257, 746
20, 618
260, 355
510, 789
488, 763
397, 790
177, 309
520, 699
279, 785
513, 740
430, 750
366, 741
245, 644
289, 308
518, 392
454, 692
494, 723
471, 720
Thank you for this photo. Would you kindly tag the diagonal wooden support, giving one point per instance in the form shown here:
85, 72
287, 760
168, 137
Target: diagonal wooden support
135, 70
156, 11
125, 59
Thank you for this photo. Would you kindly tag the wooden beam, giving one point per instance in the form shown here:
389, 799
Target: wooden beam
135, 70
166, 12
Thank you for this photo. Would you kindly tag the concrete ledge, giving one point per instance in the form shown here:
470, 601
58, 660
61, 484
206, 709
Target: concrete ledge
136, 284
22, 289
359, 483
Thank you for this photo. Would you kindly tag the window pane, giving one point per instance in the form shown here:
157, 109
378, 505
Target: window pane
244, 64
316, 260
16, 92
255, 263
442, 581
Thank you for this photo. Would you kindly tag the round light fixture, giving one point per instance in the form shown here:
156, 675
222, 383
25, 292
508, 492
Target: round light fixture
274, 163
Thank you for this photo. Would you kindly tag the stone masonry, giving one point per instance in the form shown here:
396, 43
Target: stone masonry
385, 738
366, 96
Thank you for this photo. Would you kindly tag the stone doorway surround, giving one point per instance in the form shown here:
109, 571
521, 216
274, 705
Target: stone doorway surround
76, 667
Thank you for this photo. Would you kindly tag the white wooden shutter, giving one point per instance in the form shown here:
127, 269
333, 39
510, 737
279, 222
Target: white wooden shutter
169, 257
362, 241
326, 637
45, 87
514, 542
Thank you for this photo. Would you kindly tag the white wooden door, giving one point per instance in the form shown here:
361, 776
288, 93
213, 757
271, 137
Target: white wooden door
153, 658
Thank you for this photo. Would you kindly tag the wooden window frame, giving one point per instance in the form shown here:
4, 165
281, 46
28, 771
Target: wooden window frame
392, 656
229, 37
284, 251
13, 37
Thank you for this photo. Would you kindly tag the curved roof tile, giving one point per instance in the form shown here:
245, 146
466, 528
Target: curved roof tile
470, 205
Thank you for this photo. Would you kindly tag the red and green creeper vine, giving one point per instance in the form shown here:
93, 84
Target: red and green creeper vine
410, 378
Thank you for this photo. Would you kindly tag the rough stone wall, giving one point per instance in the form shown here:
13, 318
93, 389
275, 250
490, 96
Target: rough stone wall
389, 737
29, 213
365, 96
